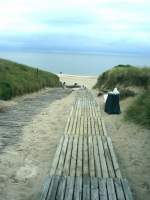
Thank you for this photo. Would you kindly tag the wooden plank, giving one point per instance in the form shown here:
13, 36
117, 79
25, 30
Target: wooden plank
53, 188
56, 157
119, 189
74, 157
91, 157
70, 125
100, 126
102, 157
62, 156
69, 188
79, 171
78, 189
85, 126
66, 169
114, 160
86, 188
75, 121
111, 189
104, 127
45, 187
61, 189
78, 125
127, 190
103, 189
85, 158
96, 126
68, 121
108, 158
81, 126
94, 189
96, 158
92, 126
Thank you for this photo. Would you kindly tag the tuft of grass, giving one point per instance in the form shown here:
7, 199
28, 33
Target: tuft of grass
139, 110
17, 79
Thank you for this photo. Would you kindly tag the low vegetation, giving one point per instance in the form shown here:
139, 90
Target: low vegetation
17, 79
126, 78
139, 110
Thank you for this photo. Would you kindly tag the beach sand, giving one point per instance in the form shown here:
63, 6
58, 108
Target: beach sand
88, 81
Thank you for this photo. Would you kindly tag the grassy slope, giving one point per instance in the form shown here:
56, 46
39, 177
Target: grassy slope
124, 76
17, 79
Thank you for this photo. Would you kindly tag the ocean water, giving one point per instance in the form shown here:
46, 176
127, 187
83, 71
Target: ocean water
84, 64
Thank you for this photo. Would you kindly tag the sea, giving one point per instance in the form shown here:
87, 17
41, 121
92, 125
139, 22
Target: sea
75, 63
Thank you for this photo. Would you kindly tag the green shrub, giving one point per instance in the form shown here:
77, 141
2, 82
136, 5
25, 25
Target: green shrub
139, 110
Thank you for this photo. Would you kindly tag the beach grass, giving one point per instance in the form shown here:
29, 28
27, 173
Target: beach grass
139, 110
18, 79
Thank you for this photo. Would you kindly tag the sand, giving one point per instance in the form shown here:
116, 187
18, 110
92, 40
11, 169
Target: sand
88, 81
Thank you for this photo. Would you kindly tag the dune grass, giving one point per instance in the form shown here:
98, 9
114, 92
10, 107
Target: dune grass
139, 110
124, 76
17, 79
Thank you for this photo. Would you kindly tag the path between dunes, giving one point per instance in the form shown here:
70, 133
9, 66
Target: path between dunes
23, 166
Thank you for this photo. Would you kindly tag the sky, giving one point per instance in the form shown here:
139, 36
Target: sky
79, 26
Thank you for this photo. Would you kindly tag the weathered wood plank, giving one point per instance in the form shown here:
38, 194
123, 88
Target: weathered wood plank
56, 157
108, 158
45, 187
69, 188
127, 190
66, 169
96, 158
114, 160
111, 189
86, 188
102, 157
79, 171
85, 158
62, 156
53, 188
61, 189
78, 189
74, 157
103, 189
94, 189
91, 156
119, 189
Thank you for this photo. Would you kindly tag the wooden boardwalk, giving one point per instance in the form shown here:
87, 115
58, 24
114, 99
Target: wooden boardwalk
85, 166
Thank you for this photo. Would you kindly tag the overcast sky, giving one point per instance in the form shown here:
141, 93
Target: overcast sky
102, 26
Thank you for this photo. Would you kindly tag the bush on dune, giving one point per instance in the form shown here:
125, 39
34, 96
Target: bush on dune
17, 79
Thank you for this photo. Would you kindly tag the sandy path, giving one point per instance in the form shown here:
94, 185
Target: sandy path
132, 146
24, 165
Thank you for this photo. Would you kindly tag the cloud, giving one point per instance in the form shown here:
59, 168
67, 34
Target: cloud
91, 24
